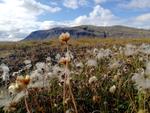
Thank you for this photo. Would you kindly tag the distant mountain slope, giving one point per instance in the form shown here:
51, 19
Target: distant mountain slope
90, 31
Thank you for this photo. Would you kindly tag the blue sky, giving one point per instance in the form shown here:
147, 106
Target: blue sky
18, 18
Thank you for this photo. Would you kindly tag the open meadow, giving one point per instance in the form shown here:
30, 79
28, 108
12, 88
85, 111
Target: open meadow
87, 75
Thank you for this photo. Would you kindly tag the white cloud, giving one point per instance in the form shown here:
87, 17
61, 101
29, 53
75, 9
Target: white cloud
137, 4
143, 18
99, 1
99, 16
142, 21
104, 17
74, 4
45, 25
33, 5
15, 26
20, 17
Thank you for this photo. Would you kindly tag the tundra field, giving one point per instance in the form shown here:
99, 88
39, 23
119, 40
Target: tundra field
75, 76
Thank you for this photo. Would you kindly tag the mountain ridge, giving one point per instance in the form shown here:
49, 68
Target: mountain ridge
91, 31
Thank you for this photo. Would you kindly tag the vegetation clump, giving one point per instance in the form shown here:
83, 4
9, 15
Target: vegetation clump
72, 78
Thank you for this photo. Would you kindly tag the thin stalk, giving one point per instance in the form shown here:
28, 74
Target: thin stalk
73, 99
144, 101
72, 96
64, 92
26, 103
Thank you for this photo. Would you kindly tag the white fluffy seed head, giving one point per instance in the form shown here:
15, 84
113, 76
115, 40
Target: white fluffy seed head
40, 65
147, 71
92, 79
48, 59
26, 62
91, 63
79, 65
5, 68
112, 89
116, 77
58, 56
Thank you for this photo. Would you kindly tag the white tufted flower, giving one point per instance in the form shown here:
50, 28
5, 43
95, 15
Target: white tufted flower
79, 65
112, 89
91, 63
92, 79
40, 65
27, 62
5, 75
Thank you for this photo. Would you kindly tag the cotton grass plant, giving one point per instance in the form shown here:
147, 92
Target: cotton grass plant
64, 38
104, 78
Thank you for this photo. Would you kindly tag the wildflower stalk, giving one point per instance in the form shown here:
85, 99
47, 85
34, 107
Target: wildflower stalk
64, 85
70, 88
64, 91
141, 100
64, 37
26, 103
144, 99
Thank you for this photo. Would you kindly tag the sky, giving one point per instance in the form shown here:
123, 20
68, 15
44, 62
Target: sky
18, 18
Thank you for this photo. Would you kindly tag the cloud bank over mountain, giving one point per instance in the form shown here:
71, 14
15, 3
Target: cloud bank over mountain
20, 17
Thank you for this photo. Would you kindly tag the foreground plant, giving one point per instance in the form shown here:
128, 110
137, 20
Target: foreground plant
64, 37
84, 79
142, 83
20, 85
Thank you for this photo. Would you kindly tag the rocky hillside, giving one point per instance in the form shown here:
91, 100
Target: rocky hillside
91, 31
